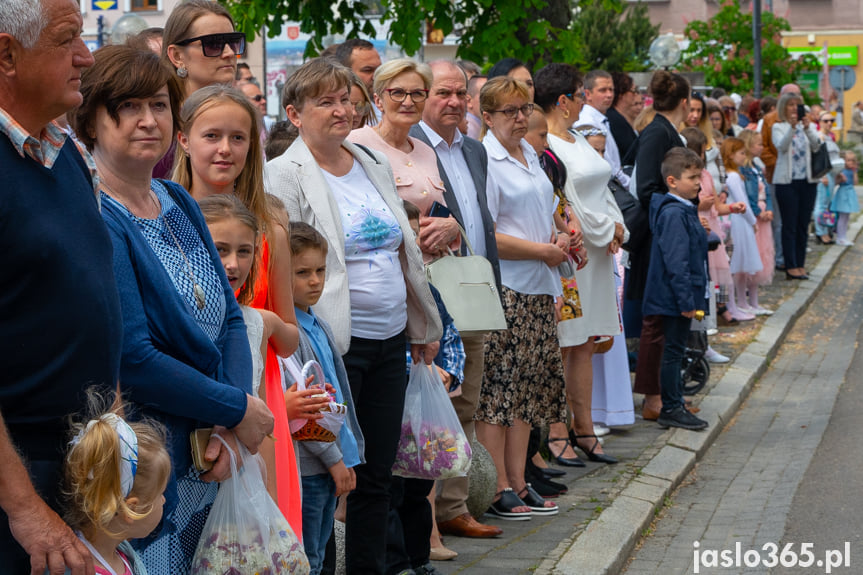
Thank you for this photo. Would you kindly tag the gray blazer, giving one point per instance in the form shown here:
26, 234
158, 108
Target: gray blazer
477, 162
297, 180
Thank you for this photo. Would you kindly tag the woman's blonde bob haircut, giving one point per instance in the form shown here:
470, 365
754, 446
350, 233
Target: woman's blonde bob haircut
387, 72
498, 90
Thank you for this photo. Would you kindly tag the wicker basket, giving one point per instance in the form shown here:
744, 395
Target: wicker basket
311, 431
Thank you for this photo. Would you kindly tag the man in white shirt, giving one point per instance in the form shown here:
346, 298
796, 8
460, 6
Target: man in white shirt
598, 96
463, 165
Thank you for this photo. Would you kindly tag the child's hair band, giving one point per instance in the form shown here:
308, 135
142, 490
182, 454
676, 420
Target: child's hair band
128, 448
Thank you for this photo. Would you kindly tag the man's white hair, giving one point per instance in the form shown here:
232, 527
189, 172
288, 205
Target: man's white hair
22, 19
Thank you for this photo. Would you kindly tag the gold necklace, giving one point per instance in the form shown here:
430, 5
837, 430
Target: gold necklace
197, 290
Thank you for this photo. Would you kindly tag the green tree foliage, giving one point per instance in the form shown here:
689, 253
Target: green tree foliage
722, 48
536, 31
614, 36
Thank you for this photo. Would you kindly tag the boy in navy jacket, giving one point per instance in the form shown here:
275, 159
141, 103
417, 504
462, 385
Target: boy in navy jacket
677, 277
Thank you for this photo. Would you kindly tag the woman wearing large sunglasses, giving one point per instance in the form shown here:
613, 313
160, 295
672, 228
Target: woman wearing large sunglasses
401, 88
201, 45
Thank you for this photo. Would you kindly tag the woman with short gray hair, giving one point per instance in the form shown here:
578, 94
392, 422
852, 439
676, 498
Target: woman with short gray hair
796, 140
376, 297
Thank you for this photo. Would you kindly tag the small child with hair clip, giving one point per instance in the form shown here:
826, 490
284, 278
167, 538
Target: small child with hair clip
116, 474
845, 199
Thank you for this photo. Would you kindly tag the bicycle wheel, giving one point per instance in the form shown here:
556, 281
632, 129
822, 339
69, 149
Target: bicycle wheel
695, 372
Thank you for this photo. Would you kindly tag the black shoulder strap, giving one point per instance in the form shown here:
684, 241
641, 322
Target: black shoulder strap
367, 151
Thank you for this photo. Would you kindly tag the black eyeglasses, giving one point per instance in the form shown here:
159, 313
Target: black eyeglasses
512, 112
214, 44
729, 108
830, 120
258, 97
399, 95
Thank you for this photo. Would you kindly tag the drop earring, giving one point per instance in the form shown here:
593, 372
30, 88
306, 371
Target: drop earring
182, 72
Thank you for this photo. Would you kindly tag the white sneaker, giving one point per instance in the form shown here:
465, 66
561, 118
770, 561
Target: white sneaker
712, 331
599, 430
844, 243
761, 311
713, 356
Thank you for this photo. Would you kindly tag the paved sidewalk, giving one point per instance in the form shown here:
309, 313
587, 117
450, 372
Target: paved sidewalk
742, 491
609, 506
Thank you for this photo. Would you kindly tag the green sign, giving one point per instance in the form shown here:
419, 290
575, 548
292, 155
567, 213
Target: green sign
808, 82
836, 55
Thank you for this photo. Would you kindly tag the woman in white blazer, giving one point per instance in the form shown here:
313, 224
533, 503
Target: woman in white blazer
795, 139
376, 297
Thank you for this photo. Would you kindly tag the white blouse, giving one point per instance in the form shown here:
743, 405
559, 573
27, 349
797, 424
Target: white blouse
521, 201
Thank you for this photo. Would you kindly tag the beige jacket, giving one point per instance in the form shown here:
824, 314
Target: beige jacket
297, 180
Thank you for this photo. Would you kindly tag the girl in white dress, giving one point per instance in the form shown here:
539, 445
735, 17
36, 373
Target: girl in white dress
745, 259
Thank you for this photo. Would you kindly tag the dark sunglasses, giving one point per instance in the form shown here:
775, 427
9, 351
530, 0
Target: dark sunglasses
214, 44
258, 97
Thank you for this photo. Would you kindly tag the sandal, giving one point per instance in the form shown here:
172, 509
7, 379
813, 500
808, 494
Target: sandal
565, 461
504, 506
591, 453
536, 503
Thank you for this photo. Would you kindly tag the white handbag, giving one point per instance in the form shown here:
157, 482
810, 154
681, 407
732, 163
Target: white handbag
468, 290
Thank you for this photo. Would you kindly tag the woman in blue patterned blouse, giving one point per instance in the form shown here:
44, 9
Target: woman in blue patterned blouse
185, 358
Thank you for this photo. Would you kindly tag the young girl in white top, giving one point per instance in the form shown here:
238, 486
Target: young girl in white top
745, 259
116, 473
234, 229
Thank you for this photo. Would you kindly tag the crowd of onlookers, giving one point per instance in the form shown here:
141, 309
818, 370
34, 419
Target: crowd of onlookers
170, 246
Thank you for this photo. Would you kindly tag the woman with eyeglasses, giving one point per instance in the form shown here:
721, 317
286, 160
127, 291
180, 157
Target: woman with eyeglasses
523, 385
201, 45
559, 92
401, 88
824, 193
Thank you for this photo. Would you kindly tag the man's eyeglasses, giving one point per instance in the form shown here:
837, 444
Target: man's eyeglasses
258, 97
399, 95
512, 112
214, 44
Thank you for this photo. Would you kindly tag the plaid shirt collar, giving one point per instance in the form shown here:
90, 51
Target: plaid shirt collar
46, 148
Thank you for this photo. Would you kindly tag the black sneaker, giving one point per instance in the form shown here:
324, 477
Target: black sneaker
427, 569
680, 417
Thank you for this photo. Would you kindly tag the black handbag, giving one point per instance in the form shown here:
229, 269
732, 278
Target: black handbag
635, 217
821, 161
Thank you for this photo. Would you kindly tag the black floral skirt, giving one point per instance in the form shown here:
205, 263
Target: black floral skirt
523, 367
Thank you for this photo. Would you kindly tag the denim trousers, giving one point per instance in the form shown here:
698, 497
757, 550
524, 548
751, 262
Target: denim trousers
376, 371
676, 329
319, 506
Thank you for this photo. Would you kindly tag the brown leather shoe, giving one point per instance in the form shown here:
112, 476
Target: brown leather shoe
466, 526
649, 414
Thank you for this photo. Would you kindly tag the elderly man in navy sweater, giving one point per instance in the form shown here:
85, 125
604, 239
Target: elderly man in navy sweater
59, 306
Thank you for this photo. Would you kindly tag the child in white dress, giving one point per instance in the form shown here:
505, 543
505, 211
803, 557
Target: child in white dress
745, 259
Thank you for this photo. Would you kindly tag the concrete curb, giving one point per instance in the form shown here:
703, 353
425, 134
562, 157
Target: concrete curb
606, 543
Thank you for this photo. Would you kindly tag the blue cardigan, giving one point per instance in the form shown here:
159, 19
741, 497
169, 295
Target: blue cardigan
677, 276
169, 366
